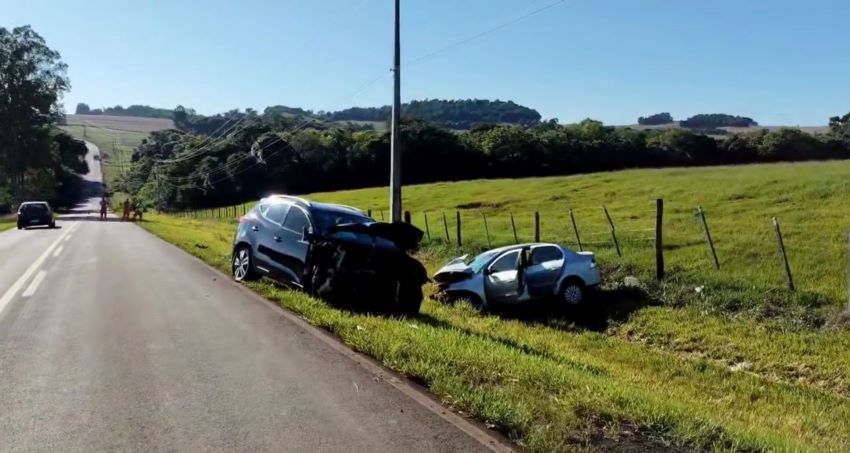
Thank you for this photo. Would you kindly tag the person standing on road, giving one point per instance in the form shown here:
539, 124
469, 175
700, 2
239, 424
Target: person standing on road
103, 205
126, 215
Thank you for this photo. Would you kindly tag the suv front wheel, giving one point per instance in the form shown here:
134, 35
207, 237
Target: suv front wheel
242, 264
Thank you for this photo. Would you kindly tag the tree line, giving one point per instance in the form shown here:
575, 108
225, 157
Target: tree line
453, 114
702, 121
37, 160
178, 169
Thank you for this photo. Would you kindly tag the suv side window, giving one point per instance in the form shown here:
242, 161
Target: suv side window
296, 221
506, 262
544, 254
276, 213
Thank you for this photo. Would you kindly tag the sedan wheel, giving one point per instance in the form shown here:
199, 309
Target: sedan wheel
573, 293
242, 265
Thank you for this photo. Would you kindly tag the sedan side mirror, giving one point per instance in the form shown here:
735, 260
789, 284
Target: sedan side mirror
306, 232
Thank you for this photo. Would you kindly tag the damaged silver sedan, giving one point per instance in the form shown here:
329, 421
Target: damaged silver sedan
519, 274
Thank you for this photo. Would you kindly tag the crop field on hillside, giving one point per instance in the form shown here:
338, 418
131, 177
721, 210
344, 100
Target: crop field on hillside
706, 359
120, 123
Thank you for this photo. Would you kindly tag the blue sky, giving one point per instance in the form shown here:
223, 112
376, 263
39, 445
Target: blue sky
779, 61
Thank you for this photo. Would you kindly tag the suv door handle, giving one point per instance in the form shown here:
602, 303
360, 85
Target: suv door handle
277, 238
255, 228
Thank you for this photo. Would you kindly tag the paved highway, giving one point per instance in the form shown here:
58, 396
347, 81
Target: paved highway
112, 340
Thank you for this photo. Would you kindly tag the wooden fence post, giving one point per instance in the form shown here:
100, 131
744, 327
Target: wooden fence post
446, 227
427, 228
407, 217
613, 231
369, 212
781, 245
575, 230
659, 252
701, 216
457, 227
536, 226
487, 230
513, 227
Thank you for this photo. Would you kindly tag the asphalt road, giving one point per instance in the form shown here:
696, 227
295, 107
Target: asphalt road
112, 340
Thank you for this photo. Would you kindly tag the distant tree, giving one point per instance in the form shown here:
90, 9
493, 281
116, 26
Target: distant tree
656, 119
82, 109
839, 127
180, 117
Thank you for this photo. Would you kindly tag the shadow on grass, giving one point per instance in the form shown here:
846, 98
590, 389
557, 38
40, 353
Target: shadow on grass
602, 308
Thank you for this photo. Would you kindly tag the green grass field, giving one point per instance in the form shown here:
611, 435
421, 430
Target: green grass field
739, 365
807, 198
116, 146
7, 223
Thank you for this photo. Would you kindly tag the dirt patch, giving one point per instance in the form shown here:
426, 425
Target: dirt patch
481, 205
607, 435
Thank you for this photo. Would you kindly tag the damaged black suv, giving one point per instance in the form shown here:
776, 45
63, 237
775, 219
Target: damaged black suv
334, 252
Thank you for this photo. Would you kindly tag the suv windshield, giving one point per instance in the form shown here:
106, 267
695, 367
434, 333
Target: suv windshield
326, 219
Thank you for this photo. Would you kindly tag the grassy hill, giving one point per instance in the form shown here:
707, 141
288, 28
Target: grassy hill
739, 202
740, 364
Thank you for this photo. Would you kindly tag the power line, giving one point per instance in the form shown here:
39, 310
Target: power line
469, 39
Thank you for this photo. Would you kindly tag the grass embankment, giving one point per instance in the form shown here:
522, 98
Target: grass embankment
7, 223
116, 146
678, 373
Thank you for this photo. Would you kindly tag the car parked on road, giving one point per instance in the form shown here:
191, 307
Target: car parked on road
519, 274
332, 251
35, 213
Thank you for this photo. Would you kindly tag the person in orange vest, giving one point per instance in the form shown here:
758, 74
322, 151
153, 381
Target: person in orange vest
103, 204
126, 215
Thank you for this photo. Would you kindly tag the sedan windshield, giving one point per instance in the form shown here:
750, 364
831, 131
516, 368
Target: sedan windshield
481, 260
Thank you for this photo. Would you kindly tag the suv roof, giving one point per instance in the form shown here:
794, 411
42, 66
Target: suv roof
313, 205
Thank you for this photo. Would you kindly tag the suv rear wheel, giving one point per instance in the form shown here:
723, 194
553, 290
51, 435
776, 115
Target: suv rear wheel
242, 265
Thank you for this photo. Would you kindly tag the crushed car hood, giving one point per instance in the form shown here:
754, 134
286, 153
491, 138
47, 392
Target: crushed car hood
455, 271
403, 235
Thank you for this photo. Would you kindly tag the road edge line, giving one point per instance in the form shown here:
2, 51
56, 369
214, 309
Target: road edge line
19, 283
473, 428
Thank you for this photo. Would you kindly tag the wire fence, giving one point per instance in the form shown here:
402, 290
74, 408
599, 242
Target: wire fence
637, 234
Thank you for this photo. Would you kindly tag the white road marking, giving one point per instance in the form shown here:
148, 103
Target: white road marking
68, 237
34, 283
10, 293
58, 251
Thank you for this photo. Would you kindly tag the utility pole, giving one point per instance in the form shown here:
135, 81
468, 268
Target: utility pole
395, 147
